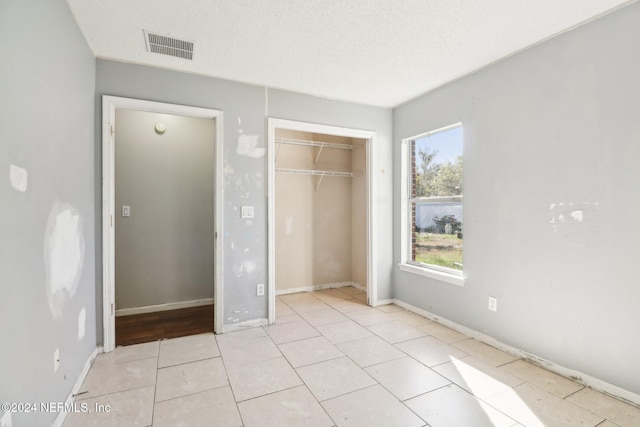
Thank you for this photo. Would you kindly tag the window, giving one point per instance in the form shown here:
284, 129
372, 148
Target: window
433, 221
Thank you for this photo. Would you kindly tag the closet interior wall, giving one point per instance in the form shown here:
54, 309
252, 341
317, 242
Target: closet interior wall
320, 222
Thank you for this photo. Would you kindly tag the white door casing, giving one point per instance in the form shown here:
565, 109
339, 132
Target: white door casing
109, 106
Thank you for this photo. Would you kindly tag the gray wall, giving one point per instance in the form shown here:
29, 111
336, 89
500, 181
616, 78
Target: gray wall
47, 273
245, 108
550, 132
164, 250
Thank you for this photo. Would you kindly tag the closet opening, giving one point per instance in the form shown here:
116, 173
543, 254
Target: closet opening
320, 216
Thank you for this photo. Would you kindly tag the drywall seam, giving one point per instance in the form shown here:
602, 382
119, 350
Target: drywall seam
164, 307
572, 374
76, 387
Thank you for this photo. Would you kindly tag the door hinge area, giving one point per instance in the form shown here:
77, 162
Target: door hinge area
112, 309
111, 130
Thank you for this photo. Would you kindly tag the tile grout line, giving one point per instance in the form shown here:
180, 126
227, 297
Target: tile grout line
155, 388
582, 387
233, 394
377, 383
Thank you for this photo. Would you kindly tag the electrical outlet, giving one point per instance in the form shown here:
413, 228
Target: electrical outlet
260, 289
493, 304
56, 360
5, 421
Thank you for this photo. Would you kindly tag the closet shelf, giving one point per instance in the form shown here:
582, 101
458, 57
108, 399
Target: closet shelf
314, 143
305, 143
315, 172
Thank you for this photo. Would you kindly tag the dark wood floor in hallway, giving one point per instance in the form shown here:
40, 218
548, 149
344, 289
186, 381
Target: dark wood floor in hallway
147, 327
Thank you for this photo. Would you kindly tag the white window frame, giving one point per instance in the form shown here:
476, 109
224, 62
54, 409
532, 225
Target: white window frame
437, 272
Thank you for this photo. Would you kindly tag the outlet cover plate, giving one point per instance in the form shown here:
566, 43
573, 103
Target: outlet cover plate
493, 304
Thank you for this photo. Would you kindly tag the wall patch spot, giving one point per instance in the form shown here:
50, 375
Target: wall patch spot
577, 215
18, 177
247, 146
64, 252
246, 267
82, 323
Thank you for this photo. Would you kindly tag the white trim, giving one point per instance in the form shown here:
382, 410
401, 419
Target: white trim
436, 199
432, 273
370, 137
164, 307
249, 324
321, 288
433, 132
109, 106
76, 387
406, 265
382, 302
405, 212
572, 374
372, 220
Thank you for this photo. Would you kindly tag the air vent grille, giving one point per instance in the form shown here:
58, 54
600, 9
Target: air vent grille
165, 45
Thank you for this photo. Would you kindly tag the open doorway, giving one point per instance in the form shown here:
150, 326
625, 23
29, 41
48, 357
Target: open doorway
161, 245
320, 197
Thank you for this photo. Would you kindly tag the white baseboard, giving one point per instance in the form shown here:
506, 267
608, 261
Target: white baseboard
249, 324
384, 302
76, 387
320, 288
572, 374
163, 307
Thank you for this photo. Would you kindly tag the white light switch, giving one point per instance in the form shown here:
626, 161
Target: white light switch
126, 211
247, 212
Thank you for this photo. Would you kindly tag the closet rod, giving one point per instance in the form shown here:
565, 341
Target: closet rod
320, 144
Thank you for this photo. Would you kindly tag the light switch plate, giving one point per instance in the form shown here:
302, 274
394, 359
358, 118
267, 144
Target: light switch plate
247, 212
126, 211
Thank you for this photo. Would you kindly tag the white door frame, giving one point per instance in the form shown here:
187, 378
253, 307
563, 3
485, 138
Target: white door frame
109, 106
370, 137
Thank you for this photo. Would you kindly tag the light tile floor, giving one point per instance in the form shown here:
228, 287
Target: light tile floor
330, 360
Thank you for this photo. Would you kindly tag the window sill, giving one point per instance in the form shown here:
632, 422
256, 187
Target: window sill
453, 279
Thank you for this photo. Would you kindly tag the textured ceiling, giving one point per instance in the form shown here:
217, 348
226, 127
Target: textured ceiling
377, 52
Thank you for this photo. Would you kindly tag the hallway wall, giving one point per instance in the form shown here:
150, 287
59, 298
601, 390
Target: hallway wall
47, 194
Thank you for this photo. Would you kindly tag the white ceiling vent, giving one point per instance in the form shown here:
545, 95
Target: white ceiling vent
165, 45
